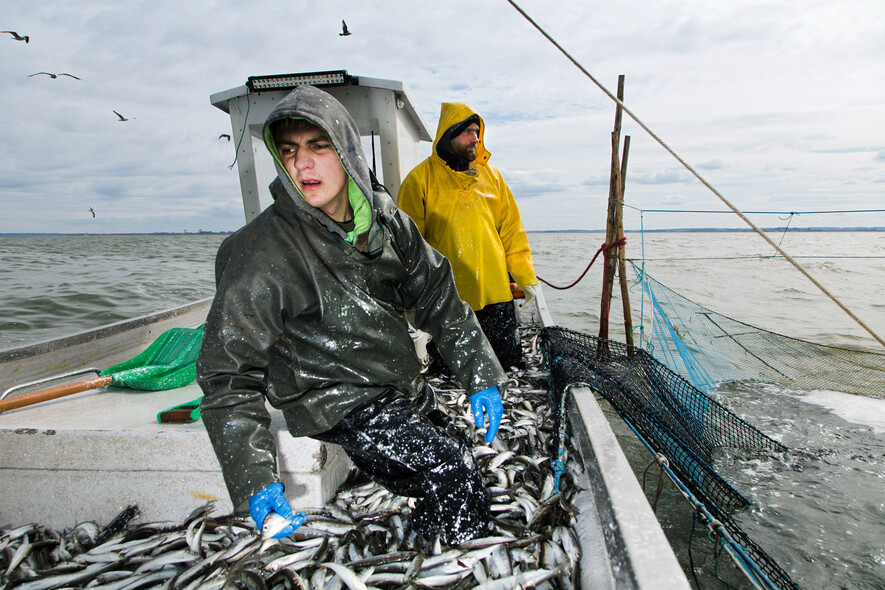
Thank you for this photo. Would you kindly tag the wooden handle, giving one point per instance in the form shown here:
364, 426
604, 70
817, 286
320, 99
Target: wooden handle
54, 392
175, 416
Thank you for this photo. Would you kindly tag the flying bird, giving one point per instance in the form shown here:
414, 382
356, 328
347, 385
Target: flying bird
16, 36
122, 118
344, 32
91, 211
54, 76
225, 135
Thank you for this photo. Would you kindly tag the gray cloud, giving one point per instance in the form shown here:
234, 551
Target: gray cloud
712, 165
669, 176
760, 94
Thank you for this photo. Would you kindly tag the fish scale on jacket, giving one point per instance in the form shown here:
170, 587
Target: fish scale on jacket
299, 305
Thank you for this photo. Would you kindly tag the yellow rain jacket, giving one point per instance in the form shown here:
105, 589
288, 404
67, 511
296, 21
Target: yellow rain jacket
470, 217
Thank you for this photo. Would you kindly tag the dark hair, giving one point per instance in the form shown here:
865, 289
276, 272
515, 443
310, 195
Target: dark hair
290, 124
459, 128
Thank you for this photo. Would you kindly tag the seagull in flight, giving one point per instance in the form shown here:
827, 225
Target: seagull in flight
225, 135
122, 118
344, 32
17, 37
92, 211
54, 76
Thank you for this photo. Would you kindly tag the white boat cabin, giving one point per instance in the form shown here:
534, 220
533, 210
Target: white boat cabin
391, 128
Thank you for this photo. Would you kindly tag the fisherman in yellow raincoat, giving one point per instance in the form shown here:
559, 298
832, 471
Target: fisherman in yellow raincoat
465, 210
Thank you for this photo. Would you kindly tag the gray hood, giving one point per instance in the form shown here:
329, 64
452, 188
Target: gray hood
323, 110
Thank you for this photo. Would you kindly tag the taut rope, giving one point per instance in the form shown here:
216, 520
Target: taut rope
728, 204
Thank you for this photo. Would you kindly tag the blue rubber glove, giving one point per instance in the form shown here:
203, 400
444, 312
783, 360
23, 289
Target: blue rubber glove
271, 500
487, 401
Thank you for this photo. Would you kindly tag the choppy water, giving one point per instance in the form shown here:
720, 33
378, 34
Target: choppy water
53, 286
820, 510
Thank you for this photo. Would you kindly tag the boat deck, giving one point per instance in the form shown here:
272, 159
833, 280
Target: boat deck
88, 456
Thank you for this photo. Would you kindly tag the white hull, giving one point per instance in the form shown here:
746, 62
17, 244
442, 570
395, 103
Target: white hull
87, 456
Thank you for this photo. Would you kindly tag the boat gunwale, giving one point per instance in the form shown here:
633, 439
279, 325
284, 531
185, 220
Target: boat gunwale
18, 353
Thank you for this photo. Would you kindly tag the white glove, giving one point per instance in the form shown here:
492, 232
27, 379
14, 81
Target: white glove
529, 292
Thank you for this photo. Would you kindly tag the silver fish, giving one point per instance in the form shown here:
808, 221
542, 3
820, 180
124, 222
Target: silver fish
183, 556
18, 556
499, 563
442, 580
499, 460
296, 560
520, 580
318, 579
346, 574
386, 578
73, 579
273, 524
194, 535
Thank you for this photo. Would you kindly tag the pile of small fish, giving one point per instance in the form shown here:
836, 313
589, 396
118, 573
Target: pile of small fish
359, 540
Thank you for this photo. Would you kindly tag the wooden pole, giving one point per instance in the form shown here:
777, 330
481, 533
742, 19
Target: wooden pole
622, 252
611, 225
36, 397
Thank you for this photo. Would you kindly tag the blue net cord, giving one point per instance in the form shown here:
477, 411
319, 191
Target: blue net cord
669, 338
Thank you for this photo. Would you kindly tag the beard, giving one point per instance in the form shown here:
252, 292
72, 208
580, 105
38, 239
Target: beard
466, 153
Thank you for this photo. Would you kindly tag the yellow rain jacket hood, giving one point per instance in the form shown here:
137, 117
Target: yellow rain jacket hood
470, 217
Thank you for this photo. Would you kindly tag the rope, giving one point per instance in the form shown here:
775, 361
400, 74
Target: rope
694, 520
558, 465
661, 460
788, 219
703, 180
744, 562
602, 249
718, 547
752, 212
243, 132
749, 257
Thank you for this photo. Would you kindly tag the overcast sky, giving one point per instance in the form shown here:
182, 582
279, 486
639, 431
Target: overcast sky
779, 104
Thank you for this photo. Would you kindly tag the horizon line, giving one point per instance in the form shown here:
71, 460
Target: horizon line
663, 230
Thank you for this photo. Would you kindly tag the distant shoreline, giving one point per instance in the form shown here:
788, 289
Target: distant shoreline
533, 231
158, 233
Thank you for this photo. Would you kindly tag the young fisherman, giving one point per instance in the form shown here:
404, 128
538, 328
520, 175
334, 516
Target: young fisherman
309, 316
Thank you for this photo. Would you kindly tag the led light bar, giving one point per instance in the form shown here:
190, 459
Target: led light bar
286, 81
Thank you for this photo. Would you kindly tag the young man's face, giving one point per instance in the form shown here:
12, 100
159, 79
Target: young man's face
464, 144
308, 156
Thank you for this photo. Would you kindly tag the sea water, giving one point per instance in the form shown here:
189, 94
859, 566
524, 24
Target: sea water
819, 510
53, 286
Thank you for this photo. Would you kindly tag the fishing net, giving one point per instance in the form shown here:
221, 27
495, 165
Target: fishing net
675, 418
169, 362
707, 347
